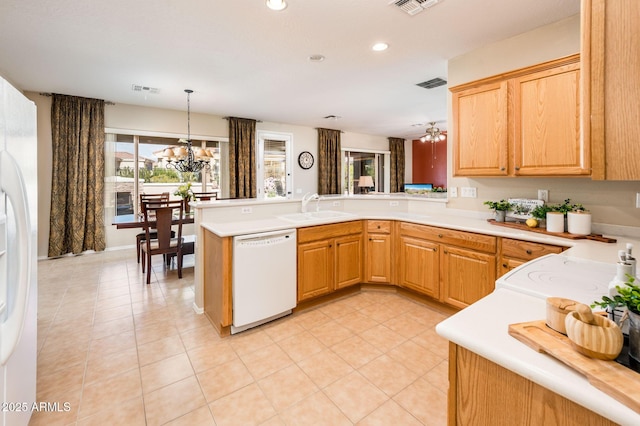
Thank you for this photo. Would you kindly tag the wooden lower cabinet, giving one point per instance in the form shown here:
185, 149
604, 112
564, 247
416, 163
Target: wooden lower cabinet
378, 252
348, 260
467, 276
484, 393
330, 257
419, 265
315, 269
456, 267
514, 253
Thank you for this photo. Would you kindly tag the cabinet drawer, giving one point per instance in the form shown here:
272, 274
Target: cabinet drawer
527, 250
465, 239
379, 226
320, 232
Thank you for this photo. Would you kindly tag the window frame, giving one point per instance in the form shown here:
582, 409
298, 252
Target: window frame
136, 134
287, 138
386, 161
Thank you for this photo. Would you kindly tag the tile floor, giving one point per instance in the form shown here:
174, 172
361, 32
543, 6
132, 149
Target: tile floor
122, 352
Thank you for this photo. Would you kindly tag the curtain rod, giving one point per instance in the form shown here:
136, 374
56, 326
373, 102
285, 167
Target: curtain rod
257, 121
324, 128
50, 94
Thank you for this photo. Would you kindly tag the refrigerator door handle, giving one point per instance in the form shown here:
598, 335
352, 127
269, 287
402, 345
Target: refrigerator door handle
12, 183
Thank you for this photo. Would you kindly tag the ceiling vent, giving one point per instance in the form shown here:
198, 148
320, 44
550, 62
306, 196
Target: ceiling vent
434, 82
145, 89
413, 7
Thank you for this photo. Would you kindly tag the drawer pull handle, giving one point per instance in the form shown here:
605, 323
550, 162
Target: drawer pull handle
378, 226
502, 169
435, 249
439, 235
517, 167
528, 251
504, 265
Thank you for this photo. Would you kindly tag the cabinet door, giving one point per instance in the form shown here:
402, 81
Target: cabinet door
481, 132
315, 269
507, 264
378, 258
348, 260
419, 265
611, 40
467, 276
547, 123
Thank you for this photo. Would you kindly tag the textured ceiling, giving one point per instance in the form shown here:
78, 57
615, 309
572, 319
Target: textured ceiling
242, 59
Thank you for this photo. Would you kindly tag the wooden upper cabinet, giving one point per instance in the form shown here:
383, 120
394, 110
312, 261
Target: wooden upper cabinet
480, 120
611, 70
522, 123
547, 123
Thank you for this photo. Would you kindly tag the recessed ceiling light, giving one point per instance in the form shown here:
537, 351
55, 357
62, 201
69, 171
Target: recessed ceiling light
379, 47
276, 4
316, 58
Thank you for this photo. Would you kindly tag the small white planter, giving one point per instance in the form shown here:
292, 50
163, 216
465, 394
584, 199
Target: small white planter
555, 222
579, 223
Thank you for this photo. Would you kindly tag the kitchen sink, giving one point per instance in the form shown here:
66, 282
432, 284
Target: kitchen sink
309, 216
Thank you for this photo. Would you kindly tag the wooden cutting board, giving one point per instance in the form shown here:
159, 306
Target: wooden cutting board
524, 227
612, 378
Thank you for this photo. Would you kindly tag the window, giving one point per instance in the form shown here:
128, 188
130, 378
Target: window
357, 164
274, 164
134, 164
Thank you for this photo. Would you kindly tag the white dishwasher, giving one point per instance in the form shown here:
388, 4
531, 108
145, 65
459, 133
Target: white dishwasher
264, 277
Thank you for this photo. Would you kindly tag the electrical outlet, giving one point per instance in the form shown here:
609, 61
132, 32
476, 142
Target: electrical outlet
298, 190
393, 203
543, 194
336, 204
452, 192
469, 192
246, 210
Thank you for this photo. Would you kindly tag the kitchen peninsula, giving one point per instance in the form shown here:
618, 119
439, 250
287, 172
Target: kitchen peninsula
480, 329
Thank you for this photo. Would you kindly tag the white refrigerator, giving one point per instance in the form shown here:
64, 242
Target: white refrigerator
18, 256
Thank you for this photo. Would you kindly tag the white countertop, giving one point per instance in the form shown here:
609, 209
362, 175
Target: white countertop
587, 249
483, 329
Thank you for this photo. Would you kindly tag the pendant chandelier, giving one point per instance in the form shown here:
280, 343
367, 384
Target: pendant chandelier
433, 134
184, 160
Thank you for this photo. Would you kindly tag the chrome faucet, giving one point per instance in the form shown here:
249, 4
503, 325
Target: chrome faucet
307, 198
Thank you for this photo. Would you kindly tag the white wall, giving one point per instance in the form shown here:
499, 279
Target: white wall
609, 202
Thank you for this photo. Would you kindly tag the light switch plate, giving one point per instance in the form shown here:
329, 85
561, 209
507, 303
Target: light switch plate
452, 192
638, 200
543, 194
468, 192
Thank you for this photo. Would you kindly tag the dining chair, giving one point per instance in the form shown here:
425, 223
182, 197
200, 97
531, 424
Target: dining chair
205, 196
144, 198
159, 216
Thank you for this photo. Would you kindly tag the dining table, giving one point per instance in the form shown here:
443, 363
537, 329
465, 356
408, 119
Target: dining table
130, 221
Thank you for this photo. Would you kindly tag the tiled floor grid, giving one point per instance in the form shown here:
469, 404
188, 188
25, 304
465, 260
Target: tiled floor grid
121, 352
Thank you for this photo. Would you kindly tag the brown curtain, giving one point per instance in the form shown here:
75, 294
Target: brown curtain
329, 161
242, 157
77, 187
396, 146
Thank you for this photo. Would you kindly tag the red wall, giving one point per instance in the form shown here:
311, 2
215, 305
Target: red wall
426, 169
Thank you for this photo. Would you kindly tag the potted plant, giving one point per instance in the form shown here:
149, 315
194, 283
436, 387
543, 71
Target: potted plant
184, 191
500, 207
627, 296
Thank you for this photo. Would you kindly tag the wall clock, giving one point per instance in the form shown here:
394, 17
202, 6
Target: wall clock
305, 159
